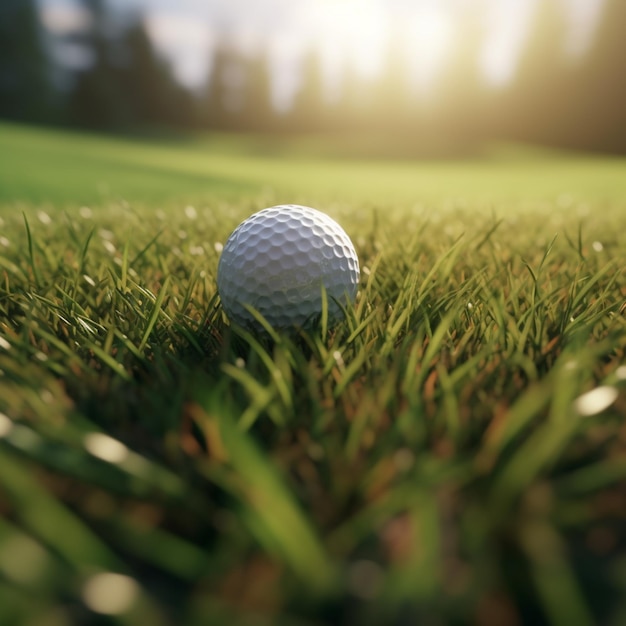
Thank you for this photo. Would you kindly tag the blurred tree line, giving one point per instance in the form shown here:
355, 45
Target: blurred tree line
24, 90
554, 98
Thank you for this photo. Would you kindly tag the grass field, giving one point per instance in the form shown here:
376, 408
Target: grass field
454, 452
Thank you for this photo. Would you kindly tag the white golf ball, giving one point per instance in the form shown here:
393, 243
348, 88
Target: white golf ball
277, 262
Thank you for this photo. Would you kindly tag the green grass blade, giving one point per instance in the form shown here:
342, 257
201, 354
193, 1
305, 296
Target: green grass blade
154, 315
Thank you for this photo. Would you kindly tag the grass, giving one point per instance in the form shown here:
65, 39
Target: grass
452, 453
66, 170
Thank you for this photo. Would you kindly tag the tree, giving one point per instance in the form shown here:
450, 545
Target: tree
600, 97
153, 96
395, 106
96, 100
127, 85
238, 94
308, 111
537, 97
258, 113
25, 90
224, 97
465, 110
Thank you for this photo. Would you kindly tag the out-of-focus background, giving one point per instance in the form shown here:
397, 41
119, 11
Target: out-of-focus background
424, 77
453, 453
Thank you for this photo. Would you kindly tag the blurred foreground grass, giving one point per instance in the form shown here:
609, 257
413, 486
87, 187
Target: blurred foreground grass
452, 453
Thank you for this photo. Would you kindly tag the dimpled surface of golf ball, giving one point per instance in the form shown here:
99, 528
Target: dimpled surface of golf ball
277, 260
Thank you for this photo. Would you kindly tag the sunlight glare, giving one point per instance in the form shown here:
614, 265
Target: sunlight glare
284, 55
186, 40
349, 34
583, 16
508, 22
366, 39
429, 40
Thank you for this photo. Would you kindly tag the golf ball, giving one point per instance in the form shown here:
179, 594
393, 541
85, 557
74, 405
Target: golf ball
277, 262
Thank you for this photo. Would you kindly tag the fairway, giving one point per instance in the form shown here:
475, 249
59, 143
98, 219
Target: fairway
453, 452
71, 169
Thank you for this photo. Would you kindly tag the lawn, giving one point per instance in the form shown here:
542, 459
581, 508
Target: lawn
453, 452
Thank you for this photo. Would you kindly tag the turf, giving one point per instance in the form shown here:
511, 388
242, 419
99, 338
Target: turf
451, 453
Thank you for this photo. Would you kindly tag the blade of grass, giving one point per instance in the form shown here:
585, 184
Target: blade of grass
154, 316
31, 251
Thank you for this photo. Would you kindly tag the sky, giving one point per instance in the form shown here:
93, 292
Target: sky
353, 33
